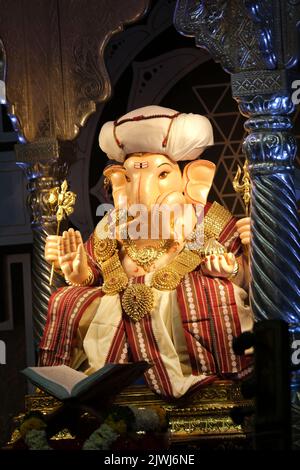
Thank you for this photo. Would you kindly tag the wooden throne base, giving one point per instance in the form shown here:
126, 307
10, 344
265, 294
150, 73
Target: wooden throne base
201, 419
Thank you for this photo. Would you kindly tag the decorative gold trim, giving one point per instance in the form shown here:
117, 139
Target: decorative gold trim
204, 415
62, 435
169, 277
215, 220
115, 278
15, 437
104, 248
144, 257
166, 279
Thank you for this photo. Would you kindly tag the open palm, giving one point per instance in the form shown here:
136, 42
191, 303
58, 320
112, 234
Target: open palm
72, 257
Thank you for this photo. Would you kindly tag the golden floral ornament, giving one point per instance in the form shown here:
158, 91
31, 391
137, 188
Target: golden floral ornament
146, 256
138, 301
165, 279
104, 248
61, 201
115, 283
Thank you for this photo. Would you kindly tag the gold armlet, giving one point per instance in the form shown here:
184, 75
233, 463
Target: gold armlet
89, 280
215, 221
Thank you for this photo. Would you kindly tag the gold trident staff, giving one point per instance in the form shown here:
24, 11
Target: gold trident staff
62, 202
244, 186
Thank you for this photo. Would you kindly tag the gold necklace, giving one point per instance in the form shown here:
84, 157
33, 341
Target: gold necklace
138, 299
144, 257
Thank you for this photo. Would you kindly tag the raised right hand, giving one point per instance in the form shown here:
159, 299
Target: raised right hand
72, 257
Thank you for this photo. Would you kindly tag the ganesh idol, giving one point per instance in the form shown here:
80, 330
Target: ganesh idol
170, 300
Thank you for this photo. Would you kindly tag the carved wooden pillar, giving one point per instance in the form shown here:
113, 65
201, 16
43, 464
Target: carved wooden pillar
55, 75
46, 163
256, 42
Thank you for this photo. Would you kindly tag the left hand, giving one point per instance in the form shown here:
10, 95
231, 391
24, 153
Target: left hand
219, 265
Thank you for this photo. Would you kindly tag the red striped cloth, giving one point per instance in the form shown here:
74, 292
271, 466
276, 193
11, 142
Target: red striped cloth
65, 309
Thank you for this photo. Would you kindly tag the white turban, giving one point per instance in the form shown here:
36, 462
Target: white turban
149, 129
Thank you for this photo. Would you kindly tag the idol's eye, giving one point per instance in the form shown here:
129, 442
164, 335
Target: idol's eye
163, 175
127, 178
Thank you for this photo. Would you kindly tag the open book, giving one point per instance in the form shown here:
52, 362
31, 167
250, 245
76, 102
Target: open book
65, 383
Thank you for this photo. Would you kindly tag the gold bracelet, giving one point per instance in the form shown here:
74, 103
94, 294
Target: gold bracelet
85, 283
235, 271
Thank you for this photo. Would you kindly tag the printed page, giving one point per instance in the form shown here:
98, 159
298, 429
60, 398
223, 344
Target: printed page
109, 380
61, 375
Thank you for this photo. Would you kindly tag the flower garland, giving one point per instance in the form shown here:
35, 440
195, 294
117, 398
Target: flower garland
33, 431
119, 422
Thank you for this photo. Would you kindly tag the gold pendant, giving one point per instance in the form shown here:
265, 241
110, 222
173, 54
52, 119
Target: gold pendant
165, 279
115, 284
144, 257
138, 301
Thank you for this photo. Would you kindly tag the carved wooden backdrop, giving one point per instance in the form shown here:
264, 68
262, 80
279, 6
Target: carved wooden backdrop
55, 68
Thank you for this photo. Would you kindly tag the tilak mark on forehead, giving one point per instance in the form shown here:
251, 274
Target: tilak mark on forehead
141, 164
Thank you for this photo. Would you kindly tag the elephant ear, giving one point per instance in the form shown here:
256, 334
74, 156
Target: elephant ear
116, 175
197, 180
